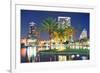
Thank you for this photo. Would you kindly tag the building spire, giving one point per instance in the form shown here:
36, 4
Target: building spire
83, 34
32, 24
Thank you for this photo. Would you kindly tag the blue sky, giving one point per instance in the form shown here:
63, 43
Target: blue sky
78, 20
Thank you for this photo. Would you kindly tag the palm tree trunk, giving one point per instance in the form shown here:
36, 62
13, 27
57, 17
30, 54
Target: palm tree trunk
60, 44
50, 43
50, 37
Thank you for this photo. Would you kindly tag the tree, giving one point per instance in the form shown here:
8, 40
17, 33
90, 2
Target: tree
69, 32
49, 25
61, 34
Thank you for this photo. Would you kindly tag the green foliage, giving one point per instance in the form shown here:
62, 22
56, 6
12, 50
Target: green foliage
66, 51
49, 25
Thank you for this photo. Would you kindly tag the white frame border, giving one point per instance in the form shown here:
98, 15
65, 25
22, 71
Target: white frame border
52, 65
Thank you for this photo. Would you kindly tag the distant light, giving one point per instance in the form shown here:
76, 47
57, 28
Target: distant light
72, 56
77, 55
23, 52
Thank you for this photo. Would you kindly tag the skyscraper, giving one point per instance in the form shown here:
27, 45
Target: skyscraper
32, 36
32, 30
83, 34
64, 22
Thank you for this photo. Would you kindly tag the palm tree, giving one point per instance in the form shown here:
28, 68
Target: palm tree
49, 25
61, 34
69, 32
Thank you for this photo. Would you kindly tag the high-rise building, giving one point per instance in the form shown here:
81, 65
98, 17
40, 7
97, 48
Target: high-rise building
83, 34
32, 30
64, 22
32, 38
32, 42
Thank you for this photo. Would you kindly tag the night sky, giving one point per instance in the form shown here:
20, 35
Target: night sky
79, 21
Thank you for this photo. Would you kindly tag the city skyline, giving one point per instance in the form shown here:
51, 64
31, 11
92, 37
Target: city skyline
78, 20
